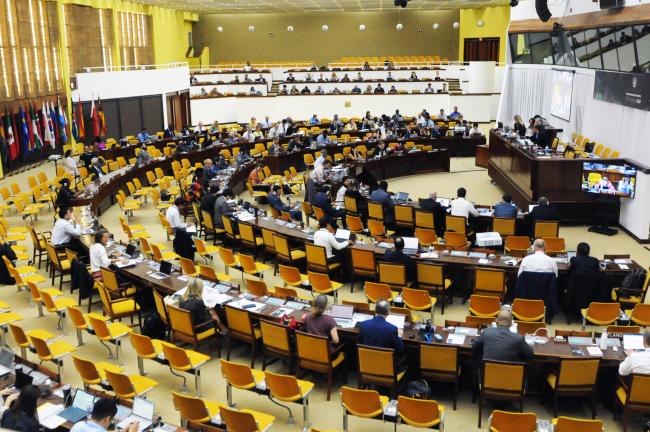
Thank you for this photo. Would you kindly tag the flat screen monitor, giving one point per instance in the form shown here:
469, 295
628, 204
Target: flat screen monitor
562, 93
609, 179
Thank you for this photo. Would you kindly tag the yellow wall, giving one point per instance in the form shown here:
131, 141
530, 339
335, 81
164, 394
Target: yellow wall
170, 27
496, 21
308, 42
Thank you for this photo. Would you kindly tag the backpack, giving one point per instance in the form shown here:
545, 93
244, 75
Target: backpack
154, 327
418, 389
632, 283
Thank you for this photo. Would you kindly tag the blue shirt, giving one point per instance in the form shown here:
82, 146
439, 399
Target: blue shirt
144, 137
377, 332
323, 139
87, 426
505, 210
455, 115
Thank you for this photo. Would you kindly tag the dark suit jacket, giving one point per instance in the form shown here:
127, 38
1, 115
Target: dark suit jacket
584, 264
500, 344
439, 213
377, 332
95, 172
543, 213
381, 196
323, 201
399, 257
274, 201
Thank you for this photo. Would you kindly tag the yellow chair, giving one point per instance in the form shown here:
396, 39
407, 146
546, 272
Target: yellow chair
129, 386
576, 377
251, 267
182, 328
117, 308
205, 251
456, 241
418, 300
188, 361
321, 284
440, 363
640, 314
292, 276
426, 236
245, 420
424, 219
287, 388
404, 216
209, 273
393, 274
276, 343
377, 229
505, 421
56, 304
146, 348
256, 287
631, 297
317, 259
546, 229
51, 351
517, 246
502, 381
528, 310
484, 306
457, 224
284, 253
600, 314
636, 398
93, 373
490, 282
314, 354
379, 291
240, 376
568, 424
377, 367
361, 403
23, 339
421, 413
504, 226
242, 328
35, 293
363, 265
194, 409
112, 333
431, 276
555, 245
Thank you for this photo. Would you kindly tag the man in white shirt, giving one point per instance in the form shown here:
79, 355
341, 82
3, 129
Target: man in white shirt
325, 237
66, 231
461, 207
320, 159
266, 123
199, 128
538, 262
637, 362
98, 256
249, 135
475, 131
173, 214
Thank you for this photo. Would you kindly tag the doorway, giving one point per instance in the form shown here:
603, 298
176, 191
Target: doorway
178, 109
481, 49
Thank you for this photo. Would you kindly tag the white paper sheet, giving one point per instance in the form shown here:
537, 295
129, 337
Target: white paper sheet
455, 339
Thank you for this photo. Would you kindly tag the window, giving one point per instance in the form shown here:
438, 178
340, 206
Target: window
28, 49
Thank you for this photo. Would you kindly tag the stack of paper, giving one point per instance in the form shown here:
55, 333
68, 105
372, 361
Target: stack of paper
455, 339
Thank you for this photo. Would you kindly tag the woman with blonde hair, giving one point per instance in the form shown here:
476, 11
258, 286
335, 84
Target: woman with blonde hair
519, 126
192, 301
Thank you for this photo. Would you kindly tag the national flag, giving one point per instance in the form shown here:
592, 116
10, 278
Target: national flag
74, 131
54, 131
38, 142
3, 144
63, 123
29, 114
24, 132
94, 118
12, 143
102, 119
80, 123
45, 123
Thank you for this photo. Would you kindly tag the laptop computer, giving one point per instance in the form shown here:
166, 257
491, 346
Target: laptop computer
165, 269
445, 202
130, 250
142, 413
342, 235
571, 254
22, 379
402, 197
397, 320
82, 406
342, 314
411, 245
531, 207
6, 360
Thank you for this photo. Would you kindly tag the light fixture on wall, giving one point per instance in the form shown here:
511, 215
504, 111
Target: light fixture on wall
362, 27
289, 29
399, 27
251, 28
220, 29
324, 27
456, 25
435, 26
480, 23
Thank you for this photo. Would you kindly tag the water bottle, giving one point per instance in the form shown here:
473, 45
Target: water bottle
603, 340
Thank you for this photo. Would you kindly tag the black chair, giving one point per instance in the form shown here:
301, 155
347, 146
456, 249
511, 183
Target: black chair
582, 289
539, 286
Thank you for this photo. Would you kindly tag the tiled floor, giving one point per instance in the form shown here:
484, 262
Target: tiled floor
324, 415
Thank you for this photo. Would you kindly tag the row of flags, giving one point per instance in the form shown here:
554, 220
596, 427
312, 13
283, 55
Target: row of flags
31, 129
96, 117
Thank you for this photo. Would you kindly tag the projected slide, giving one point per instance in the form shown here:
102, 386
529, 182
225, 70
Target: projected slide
562, 93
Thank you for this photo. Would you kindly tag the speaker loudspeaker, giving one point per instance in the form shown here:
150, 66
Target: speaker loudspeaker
543, 13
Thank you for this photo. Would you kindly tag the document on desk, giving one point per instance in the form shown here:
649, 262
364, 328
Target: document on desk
212, 297
245, 216
429, 255
191, 229
594, 351
455, 339
122, 264
623, 267
47, 415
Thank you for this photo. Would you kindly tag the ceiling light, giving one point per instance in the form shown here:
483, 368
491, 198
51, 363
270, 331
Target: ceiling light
435, 26
399, 27
251, 28
290, 29
480, 23
456, 25
362, 27
220, 29
324, 27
